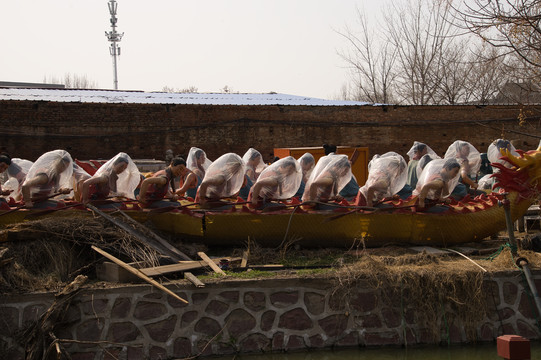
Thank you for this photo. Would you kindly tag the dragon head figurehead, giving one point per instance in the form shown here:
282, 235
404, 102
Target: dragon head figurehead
521, 174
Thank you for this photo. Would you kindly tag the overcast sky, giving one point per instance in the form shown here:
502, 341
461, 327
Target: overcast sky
285, 46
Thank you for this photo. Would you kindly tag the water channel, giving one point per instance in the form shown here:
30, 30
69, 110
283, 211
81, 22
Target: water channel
478, 352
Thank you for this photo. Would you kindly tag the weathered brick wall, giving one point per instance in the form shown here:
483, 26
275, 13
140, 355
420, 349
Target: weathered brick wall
227, 317
30, 128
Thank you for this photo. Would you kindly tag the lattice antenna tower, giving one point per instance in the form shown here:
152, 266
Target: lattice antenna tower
114, 37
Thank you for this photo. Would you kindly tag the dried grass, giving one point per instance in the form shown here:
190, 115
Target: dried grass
57, 249
442, 292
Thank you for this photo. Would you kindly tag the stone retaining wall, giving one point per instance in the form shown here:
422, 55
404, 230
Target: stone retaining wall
141, 322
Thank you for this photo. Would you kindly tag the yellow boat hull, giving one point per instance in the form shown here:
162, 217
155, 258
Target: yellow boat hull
325, 229
466, 223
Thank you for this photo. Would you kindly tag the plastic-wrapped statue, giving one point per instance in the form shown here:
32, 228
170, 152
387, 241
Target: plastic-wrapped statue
486, 183
417, 151
279, 181
15, 171
223, 179
330, 175
494, 152
423, 162
198, 162
78, 177
51, 173
254, 163
437, 180
162, 184
387, 175
469, 159
118, 177
308, 163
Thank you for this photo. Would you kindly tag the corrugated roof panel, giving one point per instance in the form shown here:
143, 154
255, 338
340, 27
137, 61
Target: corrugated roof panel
140, 97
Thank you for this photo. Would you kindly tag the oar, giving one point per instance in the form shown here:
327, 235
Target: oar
160, 210
92, 202
12, 210
48, 211
219, 203
33, 199
374, 209
210, 204
43, 198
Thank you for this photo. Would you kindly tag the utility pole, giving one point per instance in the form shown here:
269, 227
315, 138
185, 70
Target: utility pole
114, 37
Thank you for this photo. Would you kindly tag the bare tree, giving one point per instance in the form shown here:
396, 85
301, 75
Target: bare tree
512, 25
420, 30
488, 76
421, 57
455, 72
188, 90
371, 60
471, 74
72, 81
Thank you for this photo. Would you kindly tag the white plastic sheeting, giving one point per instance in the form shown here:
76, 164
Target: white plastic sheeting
330, 175
307, 162
197, 161
437, 170
254, 163
225, 176
387, 175
122, 184
15, 175
281, 179
467, 156
494, 154
416, 145
57, 165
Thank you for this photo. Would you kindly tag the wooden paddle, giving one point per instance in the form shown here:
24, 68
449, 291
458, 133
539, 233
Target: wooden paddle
48, 211
208, 206
12, 210
92, 202
40, 199
374, 209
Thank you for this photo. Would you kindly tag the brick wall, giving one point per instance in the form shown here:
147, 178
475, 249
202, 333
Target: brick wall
30, 128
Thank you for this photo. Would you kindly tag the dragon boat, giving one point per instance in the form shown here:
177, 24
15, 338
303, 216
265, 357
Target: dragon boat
343, 225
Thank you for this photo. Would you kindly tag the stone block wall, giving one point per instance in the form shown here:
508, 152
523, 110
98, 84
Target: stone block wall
253, 316
94, 131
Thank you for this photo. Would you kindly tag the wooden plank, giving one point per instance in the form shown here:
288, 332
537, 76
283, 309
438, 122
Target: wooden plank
194, 280
182, 266
137, 273
210, 263
244, 261
159, 239
272, 266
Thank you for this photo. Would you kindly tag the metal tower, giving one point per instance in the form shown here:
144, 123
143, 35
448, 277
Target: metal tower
114, 37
